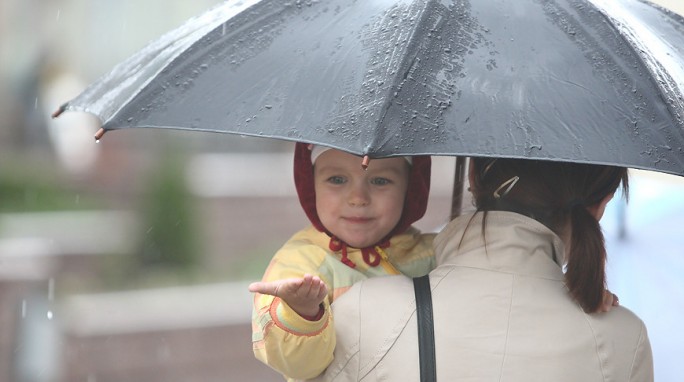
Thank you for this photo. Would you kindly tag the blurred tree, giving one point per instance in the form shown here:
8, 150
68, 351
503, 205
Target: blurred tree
171, 238
28, 187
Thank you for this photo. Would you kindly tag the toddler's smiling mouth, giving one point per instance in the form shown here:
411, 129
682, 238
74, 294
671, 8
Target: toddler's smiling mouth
357, 219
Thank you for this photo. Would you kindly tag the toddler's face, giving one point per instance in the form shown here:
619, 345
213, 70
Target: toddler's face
359, 206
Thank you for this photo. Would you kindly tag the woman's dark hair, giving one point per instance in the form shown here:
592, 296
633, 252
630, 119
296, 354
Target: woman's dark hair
557, 195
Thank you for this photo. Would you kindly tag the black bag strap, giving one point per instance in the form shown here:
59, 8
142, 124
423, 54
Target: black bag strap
426, 330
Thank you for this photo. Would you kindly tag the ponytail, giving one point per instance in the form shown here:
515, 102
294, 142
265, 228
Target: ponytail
585, 275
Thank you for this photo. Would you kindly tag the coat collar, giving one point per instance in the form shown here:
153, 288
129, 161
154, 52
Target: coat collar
514, 243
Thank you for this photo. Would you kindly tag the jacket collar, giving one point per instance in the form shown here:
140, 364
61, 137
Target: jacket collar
514, 243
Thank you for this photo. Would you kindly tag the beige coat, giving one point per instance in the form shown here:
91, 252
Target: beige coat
503, 314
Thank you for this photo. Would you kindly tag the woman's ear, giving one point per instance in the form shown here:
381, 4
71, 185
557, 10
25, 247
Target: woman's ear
599, 208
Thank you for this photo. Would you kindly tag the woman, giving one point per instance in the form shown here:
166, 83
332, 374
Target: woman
504, 310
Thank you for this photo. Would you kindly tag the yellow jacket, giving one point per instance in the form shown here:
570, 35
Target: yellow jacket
301, 349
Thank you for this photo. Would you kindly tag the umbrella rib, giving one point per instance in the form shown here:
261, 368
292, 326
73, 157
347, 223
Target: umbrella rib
407, 62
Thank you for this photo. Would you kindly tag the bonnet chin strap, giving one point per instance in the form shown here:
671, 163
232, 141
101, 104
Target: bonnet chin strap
370, 254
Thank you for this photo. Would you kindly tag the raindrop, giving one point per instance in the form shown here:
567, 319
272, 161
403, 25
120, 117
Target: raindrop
78, 198
35, 104
51, 289
97, 141
248, 119
23, 308
130, 119
268, 106
49, 315
59, 13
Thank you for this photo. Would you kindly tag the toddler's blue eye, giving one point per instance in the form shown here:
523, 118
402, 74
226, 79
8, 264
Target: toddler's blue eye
336, 180
380, 181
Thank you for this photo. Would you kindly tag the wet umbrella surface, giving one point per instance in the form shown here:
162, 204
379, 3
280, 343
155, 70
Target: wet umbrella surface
594, 81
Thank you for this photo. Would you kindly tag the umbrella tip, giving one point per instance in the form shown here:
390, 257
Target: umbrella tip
365, 162
99, 134
59, 111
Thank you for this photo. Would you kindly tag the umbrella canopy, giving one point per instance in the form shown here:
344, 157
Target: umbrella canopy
591, 81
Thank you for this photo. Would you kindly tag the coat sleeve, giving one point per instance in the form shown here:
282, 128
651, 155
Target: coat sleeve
288, 343
642, 366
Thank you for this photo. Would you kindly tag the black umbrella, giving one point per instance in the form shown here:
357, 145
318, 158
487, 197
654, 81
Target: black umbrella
591, 81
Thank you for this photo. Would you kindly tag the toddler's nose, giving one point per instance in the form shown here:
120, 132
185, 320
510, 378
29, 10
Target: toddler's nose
359, 195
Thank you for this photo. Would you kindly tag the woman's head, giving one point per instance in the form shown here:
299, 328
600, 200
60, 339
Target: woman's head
569, 198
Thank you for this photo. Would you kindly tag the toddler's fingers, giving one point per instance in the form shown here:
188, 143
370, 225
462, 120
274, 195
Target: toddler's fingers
609, 301
262, 287
273, 287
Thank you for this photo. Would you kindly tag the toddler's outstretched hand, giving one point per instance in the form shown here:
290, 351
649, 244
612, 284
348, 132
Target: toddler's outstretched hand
609, 301
304, 295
